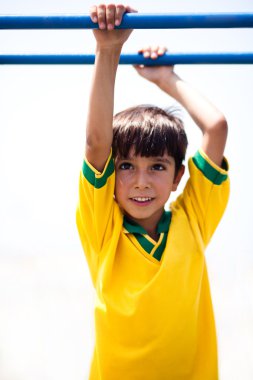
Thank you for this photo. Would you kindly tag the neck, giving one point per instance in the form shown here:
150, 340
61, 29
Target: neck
154, 235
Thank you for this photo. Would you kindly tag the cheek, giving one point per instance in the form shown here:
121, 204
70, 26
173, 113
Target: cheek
163, 182
164, 186
123, 179
120, 186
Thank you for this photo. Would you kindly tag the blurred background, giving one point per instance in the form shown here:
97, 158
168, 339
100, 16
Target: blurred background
46, 297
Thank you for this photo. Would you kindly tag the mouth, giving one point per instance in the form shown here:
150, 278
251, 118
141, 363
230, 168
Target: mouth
142, 201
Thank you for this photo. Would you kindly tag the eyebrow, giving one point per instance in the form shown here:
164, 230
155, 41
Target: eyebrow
152, 158
162, 159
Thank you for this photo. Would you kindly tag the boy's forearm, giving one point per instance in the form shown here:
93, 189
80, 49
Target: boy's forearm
99, 133
202, 111
207, 117
100, 111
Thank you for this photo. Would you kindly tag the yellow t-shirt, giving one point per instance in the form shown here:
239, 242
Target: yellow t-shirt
153, 314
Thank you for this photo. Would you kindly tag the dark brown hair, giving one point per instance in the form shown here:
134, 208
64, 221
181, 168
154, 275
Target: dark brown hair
151, 131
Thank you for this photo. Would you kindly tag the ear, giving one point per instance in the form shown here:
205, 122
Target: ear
178, 177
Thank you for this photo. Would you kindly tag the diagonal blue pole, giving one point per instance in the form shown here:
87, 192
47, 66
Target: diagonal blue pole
131, 21
132, 59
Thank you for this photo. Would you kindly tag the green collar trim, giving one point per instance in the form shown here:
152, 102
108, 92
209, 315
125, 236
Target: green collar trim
148, 246
164, 223
209, 171
144, 242
135, 228
159, 251
139, 233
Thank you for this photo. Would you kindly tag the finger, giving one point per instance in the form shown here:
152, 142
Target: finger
120, 10
145, 51
110, 16
162, 50
101, 9
154, 52
138, 67
130, 9
154, 48
93, 13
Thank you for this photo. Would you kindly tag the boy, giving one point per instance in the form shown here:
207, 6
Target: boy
153, 314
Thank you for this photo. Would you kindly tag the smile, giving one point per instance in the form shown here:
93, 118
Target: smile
141, 200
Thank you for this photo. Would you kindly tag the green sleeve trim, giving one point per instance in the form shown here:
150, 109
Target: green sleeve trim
95, 178
211, 172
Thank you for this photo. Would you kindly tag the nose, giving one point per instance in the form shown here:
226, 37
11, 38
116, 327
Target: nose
142, 180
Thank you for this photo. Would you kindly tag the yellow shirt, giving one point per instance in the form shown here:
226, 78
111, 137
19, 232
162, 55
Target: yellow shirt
153, 314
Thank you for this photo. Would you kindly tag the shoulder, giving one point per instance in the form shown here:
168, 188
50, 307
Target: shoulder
205, 196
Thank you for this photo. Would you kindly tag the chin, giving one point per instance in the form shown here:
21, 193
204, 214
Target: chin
138, 215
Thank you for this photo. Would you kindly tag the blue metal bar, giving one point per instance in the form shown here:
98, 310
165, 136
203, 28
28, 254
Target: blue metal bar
132, 21
132, 59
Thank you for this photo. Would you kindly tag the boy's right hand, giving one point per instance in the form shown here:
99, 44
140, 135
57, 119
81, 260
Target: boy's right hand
107, 17
155, 74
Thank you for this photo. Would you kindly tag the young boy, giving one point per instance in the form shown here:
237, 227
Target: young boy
153, 313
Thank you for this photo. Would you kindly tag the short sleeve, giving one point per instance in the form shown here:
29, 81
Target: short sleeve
206, 194
94, 214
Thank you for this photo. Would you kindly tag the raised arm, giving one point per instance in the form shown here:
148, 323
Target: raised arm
208, 118
109, 43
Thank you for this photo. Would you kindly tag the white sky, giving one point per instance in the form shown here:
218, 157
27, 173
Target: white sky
42, 119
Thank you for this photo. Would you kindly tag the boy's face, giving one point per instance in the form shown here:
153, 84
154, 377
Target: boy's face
143, 186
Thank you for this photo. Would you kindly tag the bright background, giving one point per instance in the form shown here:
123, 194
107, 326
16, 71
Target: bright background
46, 298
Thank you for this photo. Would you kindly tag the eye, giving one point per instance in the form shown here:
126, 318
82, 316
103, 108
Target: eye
158, 167
125, 166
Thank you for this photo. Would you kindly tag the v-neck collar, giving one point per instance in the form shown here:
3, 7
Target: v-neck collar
134, 228
152, 249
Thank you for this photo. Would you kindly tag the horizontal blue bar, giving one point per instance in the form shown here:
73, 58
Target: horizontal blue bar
131, 21
132, 59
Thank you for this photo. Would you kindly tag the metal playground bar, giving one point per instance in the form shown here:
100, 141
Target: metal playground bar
131, 59
133, 21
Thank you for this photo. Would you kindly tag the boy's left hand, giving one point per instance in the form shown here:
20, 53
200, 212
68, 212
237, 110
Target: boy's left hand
154, 74
107, 17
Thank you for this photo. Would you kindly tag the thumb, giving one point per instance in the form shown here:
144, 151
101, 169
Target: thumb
144, 71
139, 68
136, 67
